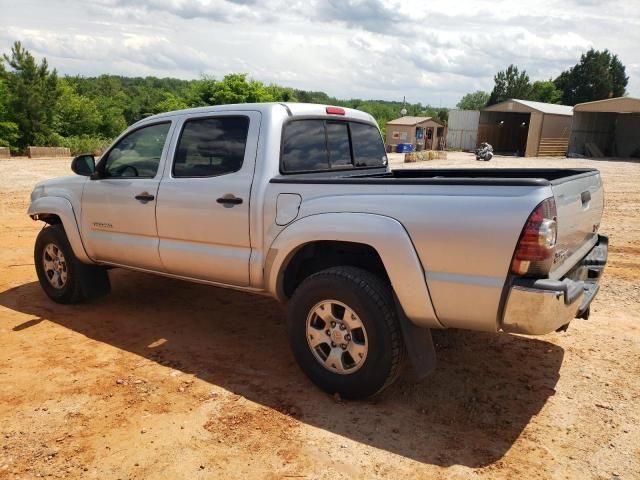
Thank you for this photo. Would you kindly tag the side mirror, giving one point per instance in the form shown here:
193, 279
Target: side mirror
84, 165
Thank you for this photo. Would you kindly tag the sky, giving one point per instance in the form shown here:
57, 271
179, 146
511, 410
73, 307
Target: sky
430, 52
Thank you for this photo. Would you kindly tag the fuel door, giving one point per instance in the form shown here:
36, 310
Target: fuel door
287, 208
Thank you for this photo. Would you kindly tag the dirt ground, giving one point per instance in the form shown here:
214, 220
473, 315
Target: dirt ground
164, 379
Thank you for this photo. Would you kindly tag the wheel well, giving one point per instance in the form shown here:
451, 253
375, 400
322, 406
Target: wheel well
50, 218
316, 256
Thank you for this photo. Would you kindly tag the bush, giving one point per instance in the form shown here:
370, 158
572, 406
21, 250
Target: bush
9, 133
83, 144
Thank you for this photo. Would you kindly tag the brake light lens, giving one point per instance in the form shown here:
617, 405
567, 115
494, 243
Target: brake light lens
335, 111
537, 243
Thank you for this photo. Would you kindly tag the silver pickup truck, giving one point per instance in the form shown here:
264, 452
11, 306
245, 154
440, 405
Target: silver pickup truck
298, 202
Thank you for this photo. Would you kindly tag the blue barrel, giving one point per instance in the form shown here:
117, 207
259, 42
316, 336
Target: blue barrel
404, 148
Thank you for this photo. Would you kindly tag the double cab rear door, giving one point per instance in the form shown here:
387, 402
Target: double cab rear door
174, 197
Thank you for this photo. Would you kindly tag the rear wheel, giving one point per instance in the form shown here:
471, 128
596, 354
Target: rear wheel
344, 332
62, 276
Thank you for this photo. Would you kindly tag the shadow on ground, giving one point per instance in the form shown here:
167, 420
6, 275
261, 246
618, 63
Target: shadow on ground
469, 412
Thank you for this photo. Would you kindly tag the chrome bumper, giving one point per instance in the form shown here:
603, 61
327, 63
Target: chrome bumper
536, 307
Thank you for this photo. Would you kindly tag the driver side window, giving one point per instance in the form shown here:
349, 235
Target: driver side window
138, 154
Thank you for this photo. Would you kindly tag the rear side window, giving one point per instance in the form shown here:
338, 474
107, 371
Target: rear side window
211, 146
321, 145
305, 146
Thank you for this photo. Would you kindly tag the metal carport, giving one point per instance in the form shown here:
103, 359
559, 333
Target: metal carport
608, 127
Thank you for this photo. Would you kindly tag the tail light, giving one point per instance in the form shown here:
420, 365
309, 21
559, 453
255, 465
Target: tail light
537, 243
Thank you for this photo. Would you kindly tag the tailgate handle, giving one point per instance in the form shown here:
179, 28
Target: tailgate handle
586, 198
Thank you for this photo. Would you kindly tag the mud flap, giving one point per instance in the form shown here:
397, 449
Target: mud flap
419, 345
95, 281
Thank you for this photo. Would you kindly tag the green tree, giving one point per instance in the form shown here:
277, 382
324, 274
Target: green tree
598, 75
113, 120
169, 103
32, 96
443, 115
233, 88
8, 130
305, 96
281, 94
200, 92
510, 83
545, 91
74, 113
380, 112
474, 101
9, 134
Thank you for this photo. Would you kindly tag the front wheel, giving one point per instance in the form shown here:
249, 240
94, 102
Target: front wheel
62, 276
344, 332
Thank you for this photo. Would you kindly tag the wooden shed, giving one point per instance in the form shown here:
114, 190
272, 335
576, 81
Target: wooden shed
526, 128
606, 128
424, 133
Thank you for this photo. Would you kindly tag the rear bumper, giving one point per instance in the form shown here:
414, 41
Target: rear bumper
536, 307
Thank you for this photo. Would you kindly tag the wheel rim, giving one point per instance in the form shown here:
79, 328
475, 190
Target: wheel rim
55, 266
337, 337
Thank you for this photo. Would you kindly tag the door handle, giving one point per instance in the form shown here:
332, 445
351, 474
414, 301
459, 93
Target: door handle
144, 197
229, 200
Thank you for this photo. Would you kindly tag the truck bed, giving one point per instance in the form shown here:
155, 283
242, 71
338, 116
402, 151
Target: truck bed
464, 223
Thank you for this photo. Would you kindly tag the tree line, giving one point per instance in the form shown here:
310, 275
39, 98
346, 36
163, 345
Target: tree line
598, 75
40, 108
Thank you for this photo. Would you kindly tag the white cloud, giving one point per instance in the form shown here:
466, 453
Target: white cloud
433, 53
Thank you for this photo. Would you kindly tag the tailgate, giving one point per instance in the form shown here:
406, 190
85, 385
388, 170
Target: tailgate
579, 202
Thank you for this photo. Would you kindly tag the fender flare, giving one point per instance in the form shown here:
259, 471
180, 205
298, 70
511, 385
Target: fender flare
62, 208
386, 235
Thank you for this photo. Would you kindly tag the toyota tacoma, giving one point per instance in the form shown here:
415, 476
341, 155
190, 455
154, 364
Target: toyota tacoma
298, 202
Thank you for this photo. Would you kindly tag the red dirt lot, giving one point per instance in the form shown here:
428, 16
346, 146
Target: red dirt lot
166, 379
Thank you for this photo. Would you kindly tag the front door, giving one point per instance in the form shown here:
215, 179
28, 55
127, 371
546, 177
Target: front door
428, 144
118, 210
203, 199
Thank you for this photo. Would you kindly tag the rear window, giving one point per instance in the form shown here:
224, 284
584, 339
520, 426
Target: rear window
368, 149
320, 145
338, 144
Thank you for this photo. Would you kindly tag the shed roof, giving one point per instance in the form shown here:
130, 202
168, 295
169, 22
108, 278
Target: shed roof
515, 105
615, 105
410, 121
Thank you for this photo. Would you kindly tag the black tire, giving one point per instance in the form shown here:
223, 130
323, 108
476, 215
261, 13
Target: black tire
371, 299
82, 281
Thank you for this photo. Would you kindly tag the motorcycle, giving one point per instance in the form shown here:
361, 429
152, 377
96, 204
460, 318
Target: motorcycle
485, 152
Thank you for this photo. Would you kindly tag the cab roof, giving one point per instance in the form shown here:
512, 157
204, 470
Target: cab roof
292, 109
